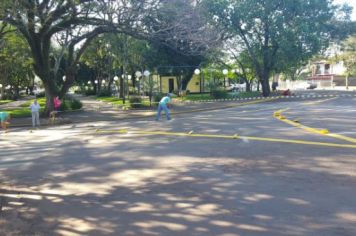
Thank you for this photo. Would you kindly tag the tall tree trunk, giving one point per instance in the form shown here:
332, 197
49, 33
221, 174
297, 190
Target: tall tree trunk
50, 95
265, 87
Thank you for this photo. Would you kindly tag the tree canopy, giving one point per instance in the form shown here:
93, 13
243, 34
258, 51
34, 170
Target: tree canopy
274, 30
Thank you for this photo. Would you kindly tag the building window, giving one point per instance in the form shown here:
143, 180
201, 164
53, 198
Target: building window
327, 69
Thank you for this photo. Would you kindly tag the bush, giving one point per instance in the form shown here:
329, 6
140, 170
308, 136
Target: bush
8, 96
136, 102
219, 94
158, 96
70, 104
89, 92
76, 104
104, 93
65, 105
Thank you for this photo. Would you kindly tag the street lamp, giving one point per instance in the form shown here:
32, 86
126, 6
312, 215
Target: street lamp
138, 75
96, 86
197, 72
64, 78
146, 73
225, 72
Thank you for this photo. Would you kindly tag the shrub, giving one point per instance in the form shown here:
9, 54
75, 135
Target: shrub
218, 94
158, 96
104, 93
76, 104
89, 92
136, 102
65, 105
70, 104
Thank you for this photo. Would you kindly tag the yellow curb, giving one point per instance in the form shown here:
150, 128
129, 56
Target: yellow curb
325, 132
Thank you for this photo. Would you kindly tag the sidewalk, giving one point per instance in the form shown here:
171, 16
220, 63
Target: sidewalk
15, 104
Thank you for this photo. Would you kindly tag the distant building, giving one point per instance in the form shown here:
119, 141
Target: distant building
330, 73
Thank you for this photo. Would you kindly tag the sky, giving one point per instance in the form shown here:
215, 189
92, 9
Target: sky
351, 3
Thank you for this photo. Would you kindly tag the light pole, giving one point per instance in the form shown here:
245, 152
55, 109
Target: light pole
115, 81
147, 73
96, 86
225, 72
138, 75
197, 72
103, 84
129, 77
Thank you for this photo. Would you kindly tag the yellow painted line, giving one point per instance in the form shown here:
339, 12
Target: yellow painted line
279, 116
343, 137
235, 136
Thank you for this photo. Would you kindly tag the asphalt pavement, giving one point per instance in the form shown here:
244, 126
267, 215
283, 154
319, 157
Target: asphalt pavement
234, 171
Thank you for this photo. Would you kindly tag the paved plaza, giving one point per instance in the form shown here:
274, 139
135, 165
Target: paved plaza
257, 169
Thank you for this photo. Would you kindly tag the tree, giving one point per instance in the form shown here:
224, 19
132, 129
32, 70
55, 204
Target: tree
39, 21
348, 56
15, 63
273, 30
182, 39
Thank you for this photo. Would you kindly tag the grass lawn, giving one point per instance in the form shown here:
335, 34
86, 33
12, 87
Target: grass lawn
5, 101
113, 100
41, 101
119, 101
24, 111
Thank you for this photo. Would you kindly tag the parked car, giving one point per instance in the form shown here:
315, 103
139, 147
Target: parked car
312, 86
236, 87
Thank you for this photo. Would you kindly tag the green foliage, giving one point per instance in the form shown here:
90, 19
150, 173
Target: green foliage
219, 94
104, 93
76, 104
89, 92
40, 101
15, 61
348, 55
158, 96
2, 102
70, 104
136, 102
112, 100
275, 34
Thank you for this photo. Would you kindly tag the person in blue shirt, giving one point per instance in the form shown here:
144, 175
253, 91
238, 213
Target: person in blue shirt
4, 118
163, 105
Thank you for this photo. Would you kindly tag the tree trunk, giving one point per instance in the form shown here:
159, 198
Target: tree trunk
248, 84
265, 87
50, 95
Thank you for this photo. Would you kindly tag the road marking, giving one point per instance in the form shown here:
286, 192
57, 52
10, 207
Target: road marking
279, 116
320, 101
235, 136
